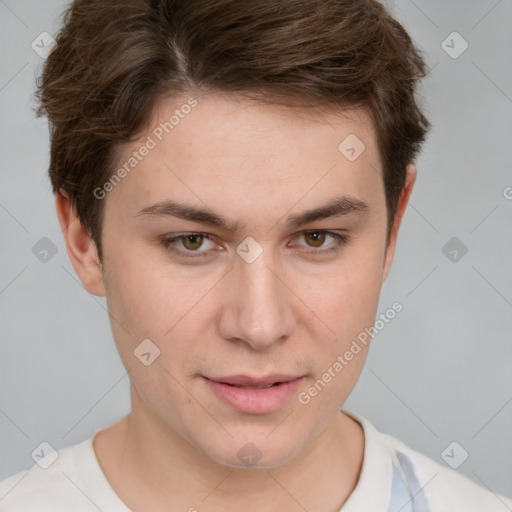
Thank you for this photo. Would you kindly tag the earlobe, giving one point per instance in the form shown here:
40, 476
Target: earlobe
410, 179
81, 248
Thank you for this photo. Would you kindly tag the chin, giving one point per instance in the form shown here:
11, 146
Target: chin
261, 453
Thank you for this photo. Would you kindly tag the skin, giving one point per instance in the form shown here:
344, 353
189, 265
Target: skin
290, 311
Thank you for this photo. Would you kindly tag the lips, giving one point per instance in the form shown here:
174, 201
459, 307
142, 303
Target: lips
254, 395
245, 381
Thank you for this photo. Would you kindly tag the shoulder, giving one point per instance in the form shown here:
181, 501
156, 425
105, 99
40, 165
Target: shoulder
446, 489
52, 484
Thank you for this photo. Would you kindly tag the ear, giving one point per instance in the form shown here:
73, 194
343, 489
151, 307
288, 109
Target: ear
80, 246
410, 179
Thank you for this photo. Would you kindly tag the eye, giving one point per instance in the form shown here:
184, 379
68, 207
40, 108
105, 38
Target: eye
190, 243
317, 238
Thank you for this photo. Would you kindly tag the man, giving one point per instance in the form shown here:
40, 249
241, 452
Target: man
232, 176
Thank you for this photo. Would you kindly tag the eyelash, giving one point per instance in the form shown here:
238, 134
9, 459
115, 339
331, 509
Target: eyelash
167, 241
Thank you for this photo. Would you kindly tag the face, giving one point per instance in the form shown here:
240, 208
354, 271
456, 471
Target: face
252, 291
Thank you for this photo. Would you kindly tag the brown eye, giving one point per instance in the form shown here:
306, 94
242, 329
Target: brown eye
315, 238
189, 244
323, 242
192, 242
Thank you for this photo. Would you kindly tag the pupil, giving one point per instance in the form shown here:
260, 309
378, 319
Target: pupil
193, 240
318, 238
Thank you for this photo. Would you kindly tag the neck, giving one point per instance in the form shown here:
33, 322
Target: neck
151, 467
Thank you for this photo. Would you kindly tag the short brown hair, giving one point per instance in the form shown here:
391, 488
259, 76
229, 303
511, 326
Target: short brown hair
115, 60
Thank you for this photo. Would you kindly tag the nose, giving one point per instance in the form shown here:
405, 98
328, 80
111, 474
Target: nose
259, 310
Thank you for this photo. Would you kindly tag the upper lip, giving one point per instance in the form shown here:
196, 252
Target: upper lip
247, 380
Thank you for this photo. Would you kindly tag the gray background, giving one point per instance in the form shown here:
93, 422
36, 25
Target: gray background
439, 372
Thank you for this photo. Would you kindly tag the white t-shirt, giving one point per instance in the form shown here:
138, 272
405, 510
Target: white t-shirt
391, 474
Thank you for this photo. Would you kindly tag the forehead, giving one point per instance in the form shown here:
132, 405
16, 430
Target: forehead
226, 152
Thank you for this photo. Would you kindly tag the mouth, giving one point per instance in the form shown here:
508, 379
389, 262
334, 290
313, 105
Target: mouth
254, 387
245, 381
254, 395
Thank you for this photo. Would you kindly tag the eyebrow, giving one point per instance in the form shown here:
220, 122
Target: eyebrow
338, 207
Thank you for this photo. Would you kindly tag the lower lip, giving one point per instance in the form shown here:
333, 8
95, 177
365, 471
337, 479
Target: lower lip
255, 401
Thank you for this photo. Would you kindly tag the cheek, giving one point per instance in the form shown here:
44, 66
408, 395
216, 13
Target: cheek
131, 300
149, 300
141, 296
347, 298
